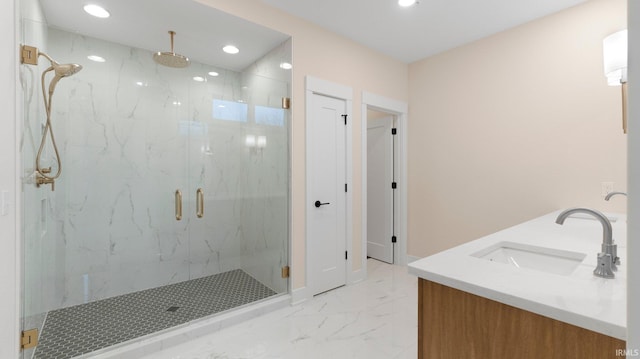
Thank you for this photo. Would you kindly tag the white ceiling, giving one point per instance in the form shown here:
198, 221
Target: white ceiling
432, 26
407, 34
201, 31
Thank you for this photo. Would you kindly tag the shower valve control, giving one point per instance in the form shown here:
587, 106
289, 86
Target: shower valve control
40, 180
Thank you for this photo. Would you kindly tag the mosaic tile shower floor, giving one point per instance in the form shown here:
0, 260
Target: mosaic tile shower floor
77, 330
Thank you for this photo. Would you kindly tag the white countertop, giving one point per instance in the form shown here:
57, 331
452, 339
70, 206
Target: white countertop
580, 298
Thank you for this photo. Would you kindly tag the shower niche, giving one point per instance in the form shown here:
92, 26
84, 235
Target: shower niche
173, 200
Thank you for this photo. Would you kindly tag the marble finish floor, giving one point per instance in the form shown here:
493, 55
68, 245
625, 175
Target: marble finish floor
374, 319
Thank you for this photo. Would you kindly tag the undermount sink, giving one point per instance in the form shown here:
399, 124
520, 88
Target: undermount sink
527, 256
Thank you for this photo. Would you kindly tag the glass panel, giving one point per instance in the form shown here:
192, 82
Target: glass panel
229, 110
241, 165
270, 115
42, 260
265, 83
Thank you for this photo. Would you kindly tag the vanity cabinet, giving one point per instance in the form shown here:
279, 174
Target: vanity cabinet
454, 324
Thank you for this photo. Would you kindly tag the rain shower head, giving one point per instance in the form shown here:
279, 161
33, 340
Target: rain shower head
171, 59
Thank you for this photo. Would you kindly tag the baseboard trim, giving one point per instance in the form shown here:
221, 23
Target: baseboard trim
357, 276
300, 295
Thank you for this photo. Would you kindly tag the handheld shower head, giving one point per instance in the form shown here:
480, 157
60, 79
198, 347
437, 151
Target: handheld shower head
59, 70
64, 70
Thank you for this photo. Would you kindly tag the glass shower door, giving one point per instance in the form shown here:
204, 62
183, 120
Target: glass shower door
166, 182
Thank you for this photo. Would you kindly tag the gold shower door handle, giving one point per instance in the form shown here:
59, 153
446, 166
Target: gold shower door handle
178, 199
199, 203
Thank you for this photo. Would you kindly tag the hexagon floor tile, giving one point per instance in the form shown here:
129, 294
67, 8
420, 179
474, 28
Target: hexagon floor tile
77, 330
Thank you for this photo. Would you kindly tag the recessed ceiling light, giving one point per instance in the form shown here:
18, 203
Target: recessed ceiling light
407, 3
286, 66
198, 78
230, 49
97, 11
141, 84
177, 103
213, 73
96, 58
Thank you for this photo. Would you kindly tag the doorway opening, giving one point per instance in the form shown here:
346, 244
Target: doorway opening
384, 179
381, 185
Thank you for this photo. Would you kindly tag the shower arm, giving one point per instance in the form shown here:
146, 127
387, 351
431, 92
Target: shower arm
52, 61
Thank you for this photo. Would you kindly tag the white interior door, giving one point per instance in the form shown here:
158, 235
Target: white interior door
326, 197
379, 191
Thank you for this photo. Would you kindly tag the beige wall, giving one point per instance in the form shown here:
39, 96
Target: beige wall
325, 55
514, 126
501, 130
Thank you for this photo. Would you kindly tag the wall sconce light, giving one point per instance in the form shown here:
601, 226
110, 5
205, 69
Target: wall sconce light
615, 66
262, 142
255, 144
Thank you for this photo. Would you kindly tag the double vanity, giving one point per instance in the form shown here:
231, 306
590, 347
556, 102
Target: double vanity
529, 291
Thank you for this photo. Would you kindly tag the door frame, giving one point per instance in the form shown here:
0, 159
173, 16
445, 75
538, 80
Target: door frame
316, 86
399, 109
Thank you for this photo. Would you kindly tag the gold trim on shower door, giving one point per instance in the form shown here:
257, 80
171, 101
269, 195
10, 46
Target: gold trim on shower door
200, 203
178, 199
29, 339
286, 103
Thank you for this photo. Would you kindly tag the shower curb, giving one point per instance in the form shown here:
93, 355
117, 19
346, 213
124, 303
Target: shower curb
156, 342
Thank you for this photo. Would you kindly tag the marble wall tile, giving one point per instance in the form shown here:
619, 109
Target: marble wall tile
131, 133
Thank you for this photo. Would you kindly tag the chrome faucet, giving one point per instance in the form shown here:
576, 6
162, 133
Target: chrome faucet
611, 194
608, 258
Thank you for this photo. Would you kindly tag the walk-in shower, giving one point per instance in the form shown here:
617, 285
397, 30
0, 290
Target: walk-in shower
107, 260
